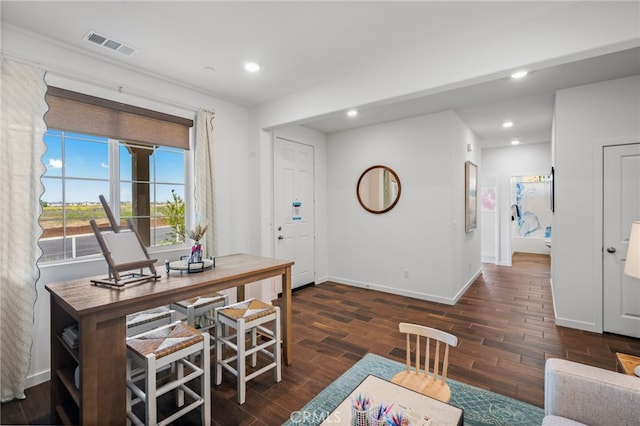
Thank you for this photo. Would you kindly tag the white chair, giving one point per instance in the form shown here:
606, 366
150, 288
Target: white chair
422, 379
245, 317
168, 345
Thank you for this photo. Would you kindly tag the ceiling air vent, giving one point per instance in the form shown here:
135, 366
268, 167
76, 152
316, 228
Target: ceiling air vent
109, 43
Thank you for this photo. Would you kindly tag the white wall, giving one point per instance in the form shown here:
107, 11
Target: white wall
563, 35
90, 75
586, 119
424, 233
501, 164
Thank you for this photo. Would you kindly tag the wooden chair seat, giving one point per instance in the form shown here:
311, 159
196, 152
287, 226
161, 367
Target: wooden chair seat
426, 380
426, 385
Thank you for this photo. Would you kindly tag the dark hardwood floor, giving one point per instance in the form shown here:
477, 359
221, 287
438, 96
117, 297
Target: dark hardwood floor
504, 323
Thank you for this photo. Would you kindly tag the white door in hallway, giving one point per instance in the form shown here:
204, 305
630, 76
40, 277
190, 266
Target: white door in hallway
621, 206
294, 224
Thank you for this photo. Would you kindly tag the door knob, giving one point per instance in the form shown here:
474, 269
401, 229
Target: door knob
611, 249
280, 237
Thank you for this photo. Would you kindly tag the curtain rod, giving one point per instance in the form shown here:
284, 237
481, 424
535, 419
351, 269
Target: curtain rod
104, 84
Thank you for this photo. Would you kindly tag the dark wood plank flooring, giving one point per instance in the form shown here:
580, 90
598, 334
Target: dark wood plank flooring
504, 322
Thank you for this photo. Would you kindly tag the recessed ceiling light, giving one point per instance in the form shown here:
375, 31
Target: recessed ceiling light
519, 74
252, 66
507, 124
352, 113
515, 141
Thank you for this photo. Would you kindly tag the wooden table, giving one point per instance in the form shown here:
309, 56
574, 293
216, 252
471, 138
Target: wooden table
101, 312
626, 363
383, 391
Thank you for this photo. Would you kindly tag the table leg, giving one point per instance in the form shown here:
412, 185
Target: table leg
103, 354
240, 293
287, 335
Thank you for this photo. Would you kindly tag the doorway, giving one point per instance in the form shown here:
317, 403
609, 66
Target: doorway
621, 206
294, 205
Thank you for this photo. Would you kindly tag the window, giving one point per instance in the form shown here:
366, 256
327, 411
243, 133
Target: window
133, 156
142, 182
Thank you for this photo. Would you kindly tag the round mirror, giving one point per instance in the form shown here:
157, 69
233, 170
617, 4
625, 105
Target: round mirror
378, 189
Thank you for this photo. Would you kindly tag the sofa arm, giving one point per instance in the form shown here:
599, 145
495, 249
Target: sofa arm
590, 395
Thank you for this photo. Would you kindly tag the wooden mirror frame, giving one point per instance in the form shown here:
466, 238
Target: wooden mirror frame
393, 203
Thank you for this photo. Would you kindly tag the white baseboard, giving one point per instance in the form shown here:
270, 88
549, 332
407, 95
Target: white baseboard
467, 285
408, 293
580, 325
38, 378
320, 280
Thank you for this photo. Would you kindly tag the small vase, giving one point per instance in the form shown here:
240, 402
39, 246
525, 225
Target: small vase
196, 252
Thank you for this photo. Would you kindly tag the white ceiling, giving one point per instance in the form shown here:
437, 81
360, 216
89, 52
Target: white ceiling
304, 44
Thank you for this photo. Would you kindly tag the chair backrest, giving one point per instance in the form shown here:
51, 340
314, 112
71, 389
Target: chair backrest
428, 333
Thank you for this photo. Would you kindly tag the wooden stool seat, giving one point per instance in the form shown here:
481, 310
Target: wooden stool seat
199, 310
149, 319
164, 341
248, 310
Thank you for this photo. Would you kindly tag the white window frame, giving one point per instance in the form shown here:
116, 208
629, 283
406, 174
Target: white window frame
114, 194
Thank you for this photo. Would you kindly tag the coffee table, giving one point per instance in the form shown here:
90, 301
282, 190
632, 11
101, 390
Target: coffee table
380, 390
626, 363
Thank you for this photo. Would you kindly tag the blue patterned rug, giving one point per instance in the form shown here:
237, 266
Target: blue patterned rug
481, 407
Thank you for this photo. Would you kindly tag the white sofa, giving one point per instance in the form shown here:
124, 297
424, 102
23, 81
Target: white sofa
578, 394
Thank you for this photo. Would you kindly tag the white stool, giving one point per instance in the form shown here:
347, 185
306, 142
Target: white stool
199, 310
248, 316
148, 320
163, 346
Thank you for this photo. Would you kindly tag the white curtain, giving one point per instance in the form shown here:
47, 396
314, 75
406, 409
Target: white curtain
204, 180
21, 149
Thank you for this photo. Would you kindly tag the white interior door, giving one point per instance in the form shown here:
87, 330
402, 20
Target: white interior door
621, 201
294, 224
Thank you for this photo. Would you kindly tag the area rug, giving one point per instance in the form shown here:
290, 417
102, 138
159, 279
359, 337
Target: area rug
481, 407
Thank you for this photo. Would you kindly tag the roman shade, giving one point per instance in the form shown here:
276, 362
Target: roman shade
77, 112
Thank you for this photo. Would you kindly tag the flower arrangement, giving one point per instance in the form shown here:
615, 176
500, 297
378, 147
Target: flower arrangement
196, 235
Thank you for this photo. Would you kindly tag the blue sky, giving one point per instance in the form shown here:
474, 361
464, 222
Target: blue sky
86, 167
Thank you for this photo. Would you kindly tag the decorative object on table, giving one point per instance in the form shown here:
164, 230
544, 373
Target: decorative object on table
359, 410
408, 417
185, 265
125, 253
195, 262
379, 414
196, 235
